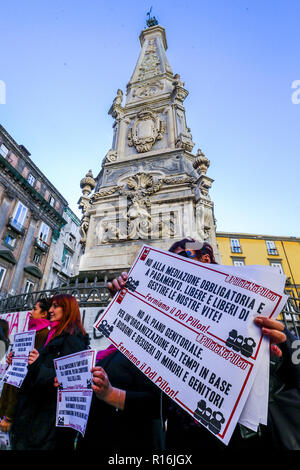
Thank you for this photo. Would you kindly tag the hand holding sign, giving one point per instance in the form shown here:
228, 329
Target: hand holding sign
18, 360
274, 330
104, 391
33, 355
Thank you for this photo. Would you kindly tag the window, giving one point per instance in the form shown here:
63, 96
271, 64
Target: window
3, 150
271, 247
238, 262
31, 179
10, 240
277, 265
2, 275
66, 257
44, 232
29, 285
235, 245
36, 258
51, 201
20, 214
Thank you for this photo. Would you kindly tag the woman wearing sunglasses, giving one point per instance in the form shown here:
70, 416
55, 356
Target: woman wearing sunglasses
183, 432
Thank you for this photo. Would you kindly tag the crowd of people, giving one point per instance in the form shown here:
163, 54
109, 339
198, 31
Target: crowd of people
128, 412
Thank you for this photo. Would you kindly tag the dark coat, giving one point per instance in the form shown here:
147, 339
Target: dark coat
134, 428
34, 424
184, 434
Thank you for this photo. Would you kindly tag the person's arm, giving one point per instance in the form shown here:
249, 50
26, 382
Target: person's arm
142, 397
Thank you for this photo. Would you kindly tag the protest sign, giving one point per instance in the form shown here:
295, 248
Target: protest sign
18, 322
16, 372
73, 409
189, 327
74, 394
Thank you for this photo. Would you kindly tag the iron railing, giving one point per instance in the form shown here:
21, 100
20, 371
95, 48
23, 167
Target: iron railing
87, 294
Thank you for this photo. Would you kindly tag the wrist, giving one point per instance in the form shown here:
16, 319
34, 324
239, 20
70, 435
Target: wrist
115, 397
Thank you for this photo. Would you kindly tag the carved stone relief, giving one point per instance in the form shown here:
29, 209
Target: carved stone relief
150, 63
146, 130
147, 89
137, 222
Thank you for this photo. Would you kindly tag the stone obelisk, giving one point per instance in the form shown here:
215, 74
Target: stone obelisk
151, 188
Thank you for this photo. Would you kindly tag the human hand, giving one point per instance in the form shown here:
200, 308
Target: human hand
274, 330
56, 383
5, 424
101, 384
9, 358
33, 355
118, 283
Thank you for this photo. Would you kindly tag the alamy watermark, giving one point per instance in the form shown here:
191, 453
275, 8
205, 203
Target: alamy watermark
296, 353
296, 94
2, 92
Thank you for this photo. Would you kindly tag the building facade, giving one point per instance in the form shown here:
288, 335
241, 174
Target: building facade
282, 253
31, 217
64, 254
151, 188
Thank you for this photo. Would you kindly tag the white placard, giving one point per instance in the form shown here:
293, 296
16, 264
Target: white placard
74, 393
189, 327
17, 371
73, 372
73, 409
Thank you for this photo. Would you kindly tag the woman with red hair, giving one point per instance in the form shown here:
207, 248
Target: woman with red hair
34, 425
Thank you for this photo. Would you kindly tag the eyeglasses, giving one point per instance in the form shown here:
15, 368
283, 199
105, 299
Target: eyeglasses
187, 254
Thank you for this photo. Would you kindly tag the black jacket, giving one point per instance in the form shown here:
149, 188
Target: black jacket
137, 427
184, 434
34, 424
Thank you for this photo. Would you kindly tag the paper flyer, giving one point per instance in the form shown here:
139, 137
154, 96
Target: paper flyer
74, 393
17, 371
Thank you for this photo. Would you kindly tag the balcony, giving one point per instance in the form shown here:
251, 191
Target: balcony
43, 246
272, 251
16, 226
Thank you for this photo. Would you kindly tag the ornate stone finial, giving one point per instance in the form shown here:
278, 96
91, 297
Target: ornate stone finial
87, 183
151, 21
201, 163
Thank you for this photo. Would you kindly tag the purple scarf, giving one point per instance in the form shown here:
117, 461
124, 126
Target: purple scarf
38, 324
53, 328
106, 352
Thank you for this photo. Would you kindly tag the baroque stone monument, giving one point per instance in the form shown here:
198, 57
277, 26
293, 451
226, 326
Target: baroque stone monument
151, 187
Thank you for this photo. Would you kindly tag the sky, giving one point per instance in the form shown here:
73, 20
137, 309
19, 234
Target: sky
62, 62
